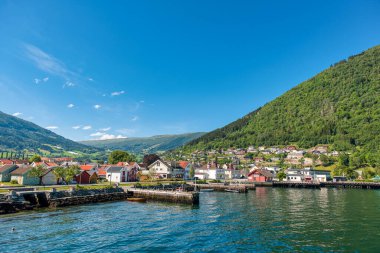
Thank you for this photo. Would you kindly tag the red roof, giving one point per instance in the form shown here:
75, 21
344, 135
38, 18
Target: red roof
102, 171
183, 164
86, 167
6, 161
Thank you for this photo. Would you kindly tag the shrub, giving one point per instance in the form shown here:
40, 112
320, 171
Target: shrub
14, 181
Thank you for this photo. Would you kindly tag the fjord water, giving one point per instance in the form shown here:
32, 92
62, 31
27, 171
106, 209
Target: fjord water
265, 220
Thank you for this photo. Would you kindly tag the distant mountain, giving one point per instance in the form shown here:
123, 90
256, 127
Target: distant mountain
18, 134
140, 145
340, 106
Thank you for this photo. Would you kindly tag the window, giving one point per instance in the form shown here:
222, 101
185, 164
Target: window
158, 163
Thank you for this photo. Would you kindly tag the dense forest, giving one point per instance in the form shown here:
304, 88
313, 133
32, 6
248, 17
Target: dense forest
141, 145
18, 134
340, 106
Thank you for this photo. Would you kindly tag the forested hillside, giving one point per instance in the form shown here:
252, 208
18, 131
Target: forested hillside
145, 144
340, 106
18, 134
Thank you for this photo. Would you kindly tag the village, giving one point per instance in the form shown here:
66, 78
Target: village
251, 165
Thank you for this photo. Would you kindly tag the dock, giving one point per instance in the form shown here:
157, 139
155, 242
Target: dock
181, 197
289, 184
222, 188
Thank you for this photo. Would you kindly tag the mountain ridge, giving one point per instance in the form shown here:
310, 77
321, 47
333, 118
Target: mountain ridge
338, 106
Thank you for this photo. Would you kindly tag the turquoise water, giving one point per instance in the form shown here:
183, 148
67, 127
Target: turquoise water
265, 220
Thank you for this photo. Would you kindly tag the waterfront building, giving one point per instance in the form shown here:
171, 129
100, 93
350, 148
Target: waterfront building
21, 176
260, 175
160, 169
5, 172
117, 174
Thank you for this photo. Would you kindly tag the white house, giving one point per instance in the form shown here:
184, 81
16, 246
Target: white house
49, 178
160, 169
117, 174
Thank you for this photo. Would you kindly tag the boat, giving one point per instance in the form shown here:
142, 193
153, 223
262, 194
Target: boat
137, 199
206, 190
234, 191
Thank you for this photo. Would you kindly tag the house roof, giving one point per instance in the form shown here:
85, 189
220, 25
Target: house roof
183, 164
21, 170
86, 167
265, 173
102, 171
6, 161
114, 169
7, 167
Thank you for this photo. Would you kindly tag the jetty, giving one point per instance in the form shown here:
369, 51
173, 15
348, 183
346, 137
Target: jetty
181, 197
290, 184
222, 187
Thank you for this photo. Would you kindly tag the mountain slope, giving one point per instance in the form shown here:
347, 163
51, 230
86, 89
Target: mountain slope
339, 106
145, 144
18, 134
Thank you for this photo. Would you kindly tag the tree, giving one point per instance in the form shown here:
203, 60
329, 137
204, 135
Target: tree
192, 171
38, 172
71, 172
35, 158
343, 160
120, 156
281, 175
149, 159
60, 173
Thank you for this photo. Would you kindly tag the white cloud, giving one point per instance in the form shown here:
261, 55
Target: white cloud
97, 107
97, 134
117, 93
70, 105
90, 79
37, 80
87, 127
68, 84
135, 118
105, 129
45, 62
16, 114
111, 136
76, 127
51, 127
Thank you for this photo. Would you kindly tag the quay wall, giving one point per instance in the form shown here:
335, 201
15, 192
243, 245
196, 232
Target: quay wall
191, 198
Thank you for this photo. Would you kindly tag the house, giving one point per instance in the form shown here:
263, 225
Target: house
260, 175
102, 172
86, 177
160, 169
295, 177
210, 171
339, 179
132, 173
44, 164
49, 178
5, 172
6, 162
117, 174
231, 173
88, 167
21, 175
259, 159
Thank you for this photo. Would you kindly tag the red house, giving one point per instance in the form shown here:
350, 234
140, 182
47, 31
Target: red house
83, 177
260, 176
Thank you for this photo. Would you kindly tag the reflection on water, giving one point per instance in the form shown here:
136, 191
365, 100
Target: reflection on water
264, 220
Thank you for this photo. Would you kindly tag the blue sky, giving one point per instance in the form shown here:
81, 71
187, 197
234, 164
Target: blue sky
107, 69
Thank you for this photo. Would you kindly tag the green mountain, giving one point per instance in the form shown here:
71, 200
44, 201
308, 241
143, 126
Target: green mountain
140, 145
18, 135
340, 106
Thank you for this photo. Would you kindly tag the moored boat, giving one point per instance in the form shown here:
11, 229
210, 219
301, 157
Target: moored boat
229, 190
206, 190
137, 199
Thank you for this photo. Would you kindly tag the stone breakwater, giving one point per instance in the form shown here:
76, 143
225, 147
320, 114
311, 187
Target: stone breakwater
29, 200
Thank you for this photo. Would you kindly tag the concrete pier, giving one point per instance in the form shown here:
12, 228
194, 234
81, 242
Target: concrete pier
191, 198
223, 188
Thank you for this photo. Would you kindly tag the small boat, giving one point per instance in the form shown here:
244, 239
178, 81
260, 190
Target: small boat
137, 199
229, 190
206, 190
